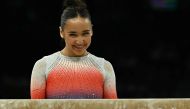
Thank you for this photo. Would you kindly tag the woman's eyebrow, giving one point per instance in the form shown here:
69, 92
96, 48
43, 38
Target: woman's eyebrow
86, 30
72, 32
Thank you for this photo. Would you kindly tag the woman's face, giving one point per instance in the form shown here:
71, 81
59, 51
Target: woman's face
77, 34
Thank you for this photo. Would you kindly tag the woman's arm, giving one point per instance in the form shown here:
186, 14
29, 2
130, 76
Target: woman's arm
38, 80
110, 82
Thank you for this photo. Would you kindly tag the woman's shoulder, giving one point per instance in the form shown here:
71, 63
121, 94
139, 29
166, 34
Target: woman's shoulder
47, 58
51, 56
100, 60
98, 57
106, 65
43, 64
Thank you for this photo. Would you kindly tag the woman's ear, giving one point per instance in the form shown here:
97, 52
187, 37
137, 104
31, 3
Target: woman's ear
92, 30
61, 32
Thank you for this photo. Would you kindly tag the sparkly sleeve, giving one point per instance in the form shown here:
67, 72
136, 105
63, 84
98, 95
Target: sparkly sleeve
38, 80
109, 82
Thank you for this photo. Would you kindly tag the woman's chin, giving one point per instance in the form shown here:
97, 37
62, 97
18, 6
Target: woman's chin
79, 53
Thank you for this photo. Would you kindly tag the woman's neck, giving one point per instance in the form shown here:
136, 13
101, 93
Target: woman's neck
66, 53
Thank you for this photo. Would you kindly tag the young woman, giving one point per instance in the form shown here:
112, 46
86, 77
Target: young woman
73, 72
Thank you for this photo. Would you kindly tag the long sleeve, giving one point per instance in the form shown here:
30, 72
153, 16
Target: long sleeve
38, 80
110, 82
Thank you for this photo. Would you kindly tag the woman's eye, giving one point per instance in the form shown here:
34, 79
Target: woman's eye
85, 34
72, 35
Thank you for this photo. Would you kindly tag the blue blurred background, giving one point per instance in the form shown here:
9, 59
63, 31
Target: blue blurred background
143, 39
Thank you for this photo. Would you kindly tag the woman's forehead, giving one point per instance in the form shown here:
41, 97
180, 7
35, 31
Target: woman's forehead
76, 24
78, 20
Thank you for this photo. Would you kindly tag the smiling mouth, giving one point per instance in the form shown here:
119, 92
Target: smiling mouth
78, 47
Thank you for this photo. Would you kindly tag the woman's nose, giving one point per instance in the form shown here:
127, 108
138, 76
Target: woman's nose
79, 41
